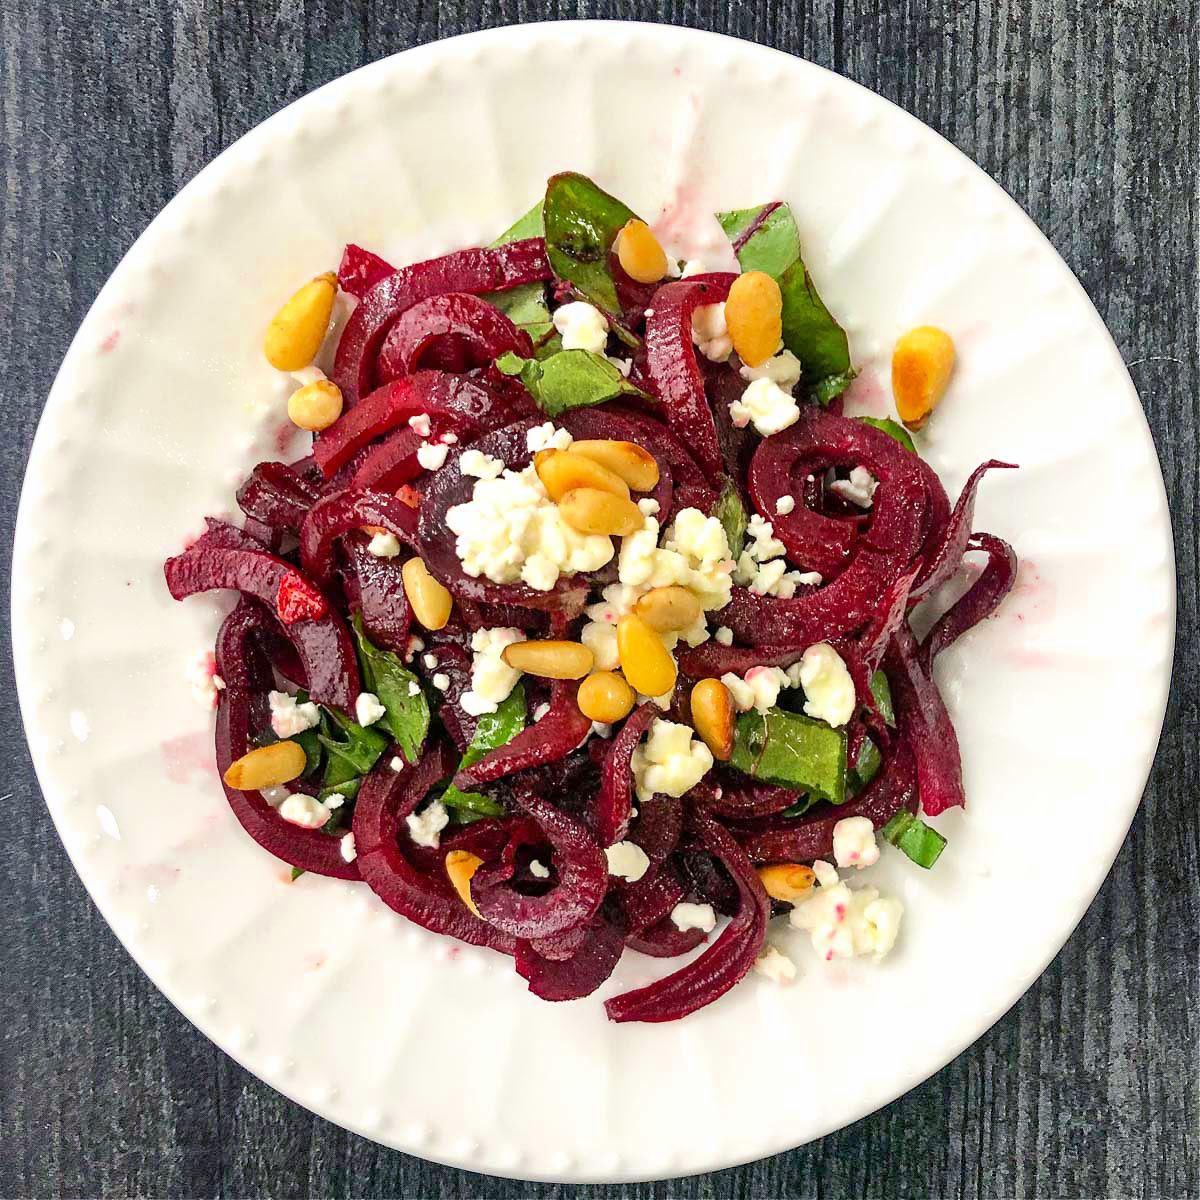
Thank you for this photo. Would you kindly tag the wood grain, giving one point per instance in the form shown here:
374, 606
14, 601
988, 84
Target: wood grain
1086, 112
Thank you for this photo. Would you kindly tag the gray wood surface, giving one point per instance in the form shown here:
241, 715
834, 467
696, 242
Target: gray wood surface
1086, 111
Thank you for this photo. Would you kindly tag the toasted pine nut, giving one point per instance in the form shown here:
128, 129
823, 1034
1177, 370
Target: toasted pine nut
640, 255
298, 328
268, 766
754, 316
550, 659
668, 609
316, 405
787, 881
646, 662
921, 366
604, 696
561, 472
431, 603
461, 866
592, 511
712, 716
636, 466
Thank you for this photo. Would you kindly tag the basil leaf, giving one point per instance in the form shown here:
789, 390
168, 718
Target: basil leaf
923, 844
792, 750
893, 429
568, 379
530, 225
731, 512
550, 345
347, 789
582, 222
864, 768
525, 305
493, 730
407, 711
358, 748
766, 239
882, 692
297, 872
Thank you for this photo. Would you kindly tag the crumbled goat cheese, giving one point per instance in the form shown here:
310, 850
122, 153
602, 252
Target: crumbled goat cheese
724, 635
777, 967
547, 437
306, 811
784, 370
384, 545
710, 333
759, 688
843, 923
432, 455
492, 679
670, 761
858, 489
582, 326
854, 843
441, 681
785, 505
685, 916
479, 465
346, 848
419, 424
425, 828
627, 860
828, 687
289, 718
538, 870
767, 405
367, 709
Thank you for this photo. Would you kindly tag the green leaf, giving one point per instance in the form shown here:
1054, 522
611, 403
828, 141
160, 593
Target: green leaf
882, 692
338, 771
923, 844
524, 305
529, 225
407, 710
893, 429
494, 729
357, 748
582, 222
766, 239
297, 872
792, 750
864, 768
568, 379
346, 788
550, 345
731, 512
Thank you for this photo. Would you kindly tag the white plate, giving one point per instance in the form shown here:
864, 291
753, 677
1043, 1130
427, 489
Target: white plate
438, 1049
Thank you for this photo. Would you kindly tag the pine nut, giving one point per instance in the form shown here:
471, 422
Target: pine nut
712, 717
668, 609
633, 464
561, 472
592, 511
787, 881
640, 255
922, 363
298, 328
431, 603
316, 405
461, 866
604, 696
550, 659
754, 316
268, 766
646, 662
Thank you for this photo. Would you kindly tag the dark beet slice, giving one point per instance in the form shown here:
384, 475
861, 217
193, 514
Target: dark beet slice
664, 940
478, 331
651, 899
277, 495
742, 797
809, 837
243, 666
425, 897
657, 828
346, 512
674, 372
725, 962
322, 642
361, 270
577, 976
615, 801
375, 587
389, 463
980, 600
474, 271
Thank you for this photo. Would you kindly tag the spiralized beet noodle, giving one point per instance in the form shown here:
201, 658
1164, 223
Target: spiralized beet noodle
416, 367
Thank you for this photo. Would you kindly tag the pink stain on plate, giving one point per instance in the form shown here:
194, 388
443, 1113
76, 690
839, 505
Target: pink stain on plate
1033, 598
189, 753
866, 396
314, 961
110, 343
680, 217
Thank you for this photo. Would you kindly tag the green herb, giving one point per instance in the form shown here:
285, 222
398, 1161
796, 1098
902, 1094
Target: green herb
524, 305
582, 222
568, 379
883, 697
792, 750
407, 710
493, 730
353, 749
338, 771
766, 239
550, 345
296, 873
893, 429
910, 834
346, 788
731, 512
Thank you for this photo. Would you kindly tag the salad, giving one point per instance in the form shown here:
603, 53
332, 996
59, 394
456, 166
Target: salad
585, 623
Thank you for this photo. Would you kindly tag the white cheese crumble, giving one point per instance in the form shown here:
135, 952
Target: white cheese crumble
547, 437
785, 505
710, 333
510, 530
419, 424
828, 687
685, 916
724, 635
776, 966
432, 456
367, 709
306, 811
761, 567
693, 266
582, 327
430, 662
624, 365
414, 688
492, 679
759, 688
858, 489
764, 545
648, 506
201, 675
670, 760
541, 710
784, 370
627, 860
334, 800
854, 843
289, 718
843, 923
479, 465
694, 554
451, 439
384, 545
441, 681
425, 828
396, 764
538, 870
347, 849
767, 405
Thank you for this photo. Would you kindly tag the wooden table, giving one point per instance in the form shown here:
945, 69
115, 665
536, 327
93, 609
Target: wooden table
1086, 111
